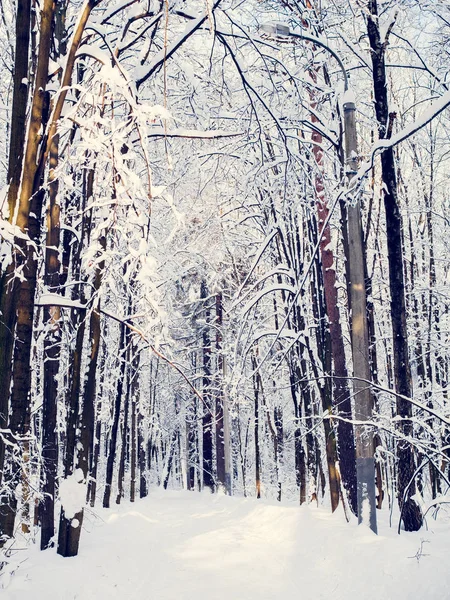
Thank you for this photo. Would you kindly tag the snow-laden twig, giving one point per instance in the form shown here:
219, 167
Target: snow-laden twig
436, 108
142, 73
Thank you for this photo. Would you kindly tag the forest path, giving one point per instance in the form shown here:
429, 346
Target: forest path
191, 546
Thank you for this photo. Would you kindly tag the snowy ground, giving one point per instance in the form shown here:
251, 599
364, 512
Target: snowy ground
183, 546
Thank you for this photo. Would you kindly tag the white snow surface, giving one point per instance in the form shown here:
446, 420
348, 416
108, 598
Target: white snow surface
188, 545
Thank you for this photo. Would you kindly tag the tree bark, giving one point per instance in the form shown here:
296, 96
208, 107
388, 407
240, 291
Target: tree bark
324, 349
256, 390
207, 420
69, 534
341, 394
410, 511
124, 341
219, 412
142, 462
15, 160
52, 346
17, 297
134, 404
365, 465
124, 436
19, 102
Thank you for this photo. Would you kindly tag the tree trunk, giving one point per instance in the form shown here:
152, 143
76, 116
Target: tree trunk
299, 451
142, 463
134, 396
325, 387
365, 464
341, 393
256, 390
219, 412
121, 472
410, 511
15, 159
92, 483
70, 528
52, 345
17, 297
124, 341
207, 421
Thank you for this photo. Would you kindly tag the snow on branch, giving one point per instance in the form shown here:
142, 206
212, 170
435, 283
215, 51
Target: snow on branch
53, 299
144, 72
436, 108
116, 8
256, 260
211, 134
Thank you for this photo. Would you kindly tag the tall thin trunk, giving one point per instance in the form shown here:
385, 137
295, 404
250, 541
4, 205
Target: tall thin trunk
78, 322
170, 454
17, 296
134, 397
52, 345
365, 465
256, 391
70, 527
19, 102
124, 441
299, 451
219, 412
192, 451
124, 341
341, 393
207, 421
324, 348
15, 160
300, 374
278, 419
92, 482
51, 320
142, 463
410, 511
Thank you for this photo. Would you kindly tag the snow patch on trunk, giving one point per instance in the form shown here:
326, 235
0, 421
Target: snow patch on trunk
72, 492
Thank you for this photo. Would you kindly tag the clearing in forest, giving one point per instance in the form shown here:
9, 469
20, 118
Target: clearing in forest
184, 545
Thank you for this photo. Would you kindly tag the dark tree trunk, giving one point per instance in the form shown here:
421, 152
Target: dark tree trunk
341, 394
219, 416
51, 321
208, 476
278, 419
78, 321
92, 483
299, 451
256, 390
410, 511
192, 438
17, 297
142, 462
52, 345
134, 403
301, 374
84, 459
124, 341
121, 472
170, 459
68, 534
19, 102
325, 387
15, 159
70, 528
